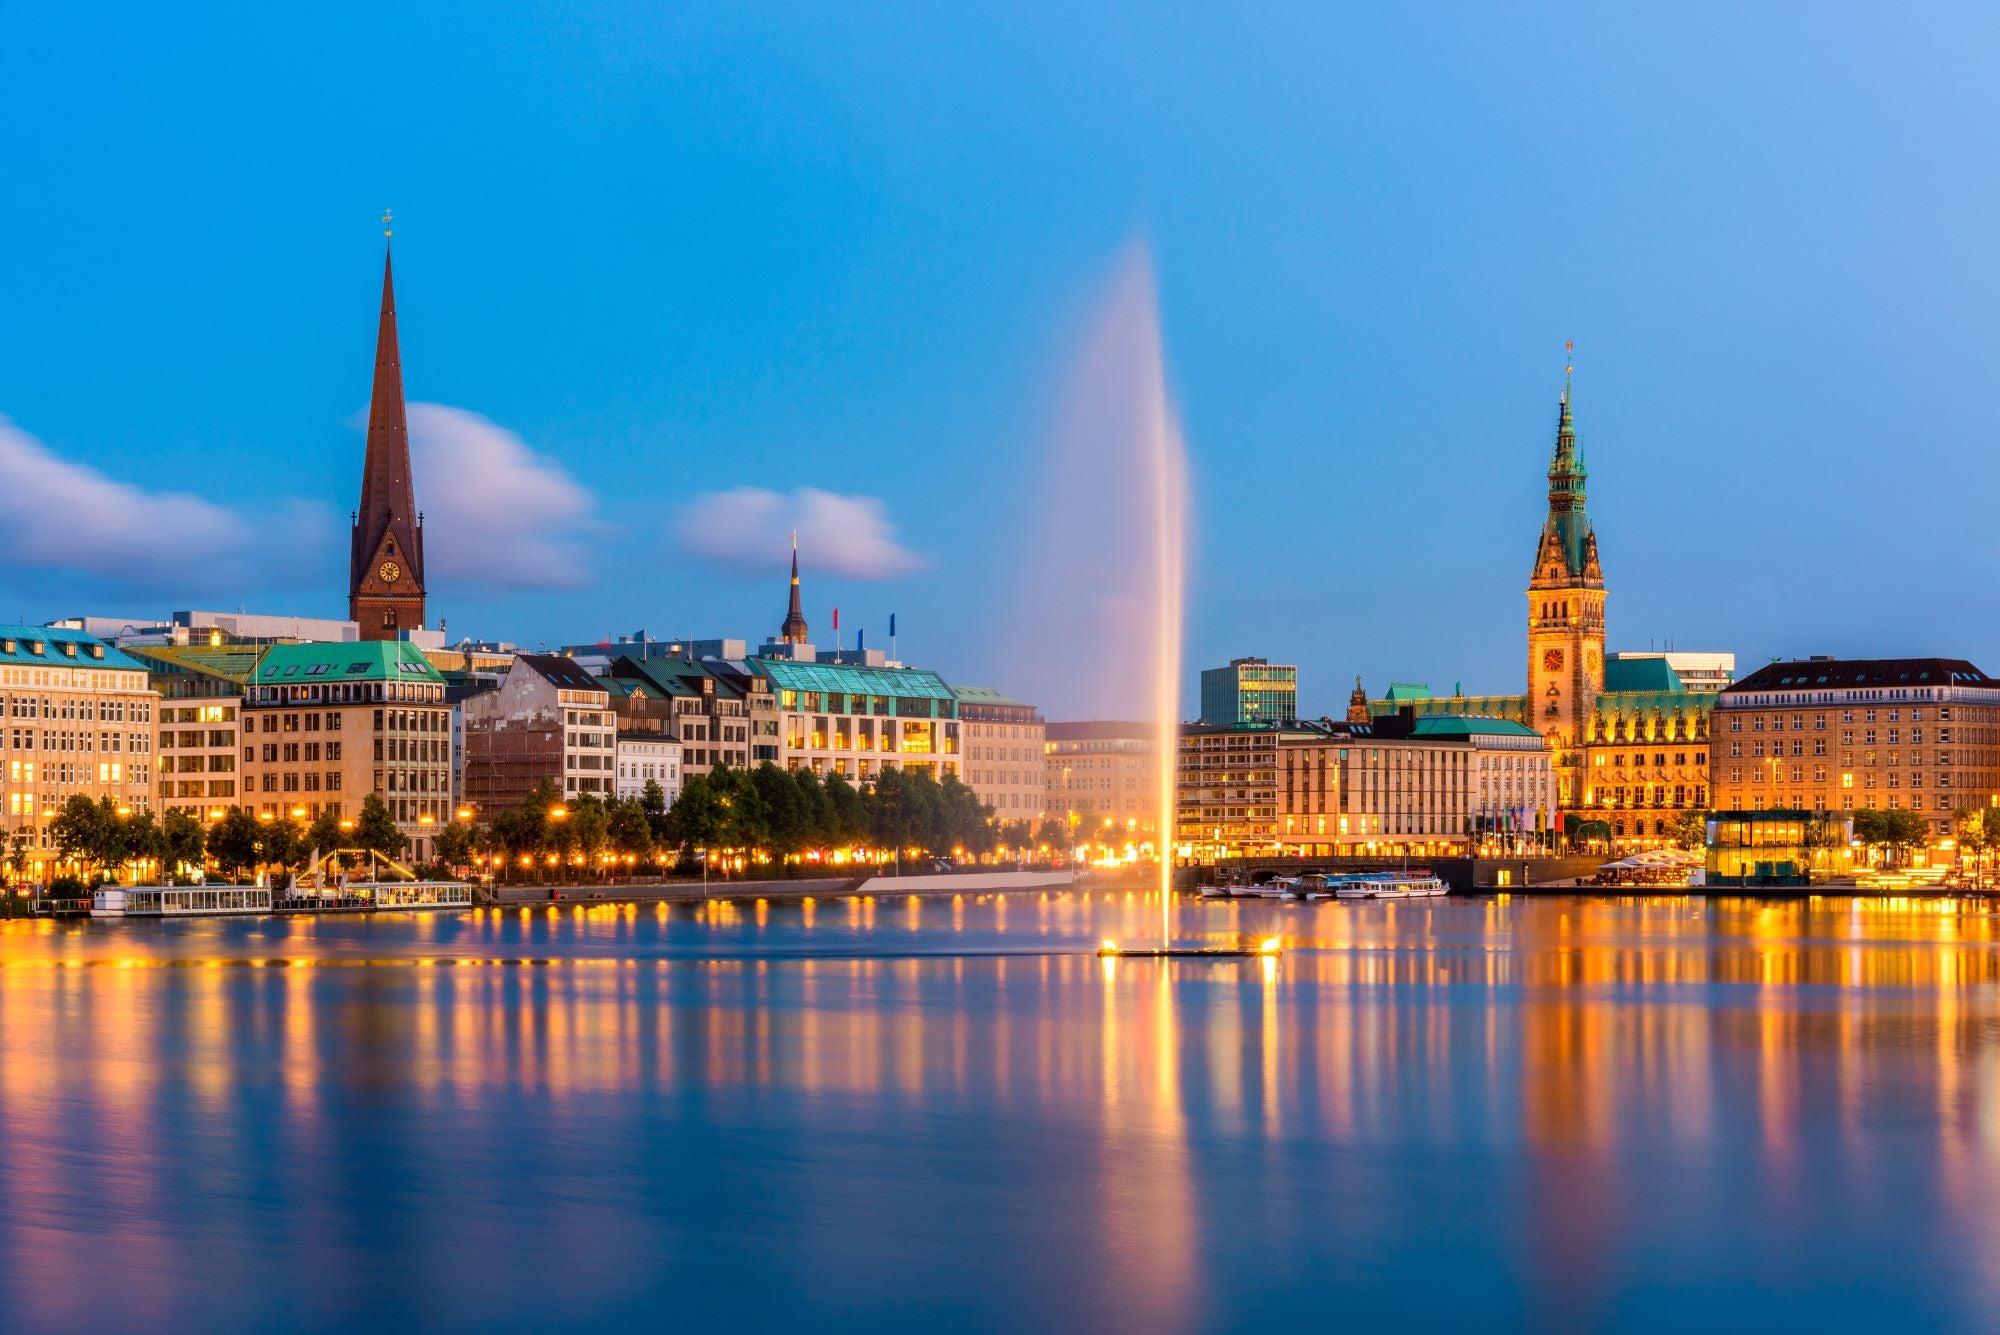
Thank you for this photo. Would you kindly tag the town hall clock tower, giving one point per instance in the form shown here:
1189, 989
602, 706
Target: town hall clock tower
385, 580
1565, 607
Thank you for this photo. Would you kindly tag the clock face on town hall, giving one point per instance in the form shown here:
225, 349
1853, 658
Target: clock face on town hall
390, 572
1552, 659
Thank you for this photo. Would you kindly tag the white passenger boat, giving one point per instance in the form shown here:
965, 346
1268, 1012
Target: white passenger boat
178, 901
1387, 885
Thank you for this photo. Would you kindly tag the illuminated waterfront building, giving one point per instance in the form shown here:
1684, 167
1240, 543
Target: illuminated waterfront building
1002, 740
324, 725
1399, 784
1249, 691
1628, 733
1827, 734
76, 717
855, 721
547, 721
1103, 772
201, 702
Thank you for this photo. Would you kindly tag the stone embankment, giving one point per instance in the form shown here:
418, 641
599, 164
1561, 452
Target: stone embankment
824, 887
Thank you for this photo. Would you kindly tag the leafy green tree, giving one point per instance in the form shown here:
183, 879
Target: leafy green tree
1907, 831
143, 839
783, 810
653, 799
695, 821
184, 838
589, 827
324, 835
631, 832
281, 842
376, 828
455, 843
87, 831
233, 843
1688, 830
17, 855
1870, 829
847, 820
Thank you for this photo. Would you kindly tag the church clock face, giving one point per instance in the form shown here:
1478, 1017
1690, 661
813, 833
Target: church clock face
390, 572
1552, 659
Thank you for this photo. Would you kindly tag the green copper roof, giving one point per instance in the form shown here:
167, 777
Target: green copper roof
45, 646
369, 660
1407, 692
1567, 523
230, 662
1640, 674
1466, 725
986, 695
911, 683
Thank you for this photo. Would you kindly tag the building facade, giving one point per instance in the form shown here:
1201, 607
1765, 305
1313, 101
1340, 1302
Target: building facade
1003, 741
720, 711
1841, 735
836, 718
1104, 773
324, 725
1399, 785
1249, 692
547, 721
201, 703
77, 717
648, 757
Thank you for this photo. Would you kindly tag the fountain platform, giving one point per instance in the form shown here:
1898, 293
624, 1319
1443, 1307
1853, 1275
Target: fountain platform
1263, 950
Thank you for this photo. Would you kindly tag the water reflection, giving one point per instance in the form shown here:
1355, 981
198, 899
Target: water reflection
1510, 1112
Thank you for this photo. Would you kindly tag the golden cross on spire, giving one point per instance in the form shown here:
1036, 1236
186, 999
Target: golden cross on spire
387, 217
1569, 355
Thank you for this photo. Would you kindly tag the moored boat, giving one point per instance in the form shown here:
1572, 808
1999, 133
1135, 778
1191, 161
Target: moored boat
1388, 885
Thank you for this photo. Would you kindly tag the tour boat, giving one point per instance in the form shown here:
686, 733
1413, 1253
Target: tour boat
1387, 885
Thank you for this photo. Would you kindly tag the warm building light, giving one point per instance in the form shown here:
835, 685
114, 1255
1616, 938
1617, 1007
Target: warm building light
465, 813
1268, 946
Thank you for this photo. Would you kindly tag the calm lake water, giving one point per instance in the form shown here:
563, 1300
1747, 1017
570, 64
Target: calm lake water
1640, 1114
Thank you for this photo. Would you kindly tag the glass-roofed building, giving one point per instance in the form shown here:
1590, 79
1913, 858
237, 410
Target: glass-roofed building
855, 721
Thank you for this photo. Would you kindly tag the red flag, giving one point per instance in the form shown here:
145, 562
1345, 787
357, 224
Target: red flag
836, 618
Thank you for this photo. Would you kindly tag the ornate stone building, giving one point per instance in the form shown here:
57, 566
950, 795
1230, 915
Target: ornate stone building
1628, 735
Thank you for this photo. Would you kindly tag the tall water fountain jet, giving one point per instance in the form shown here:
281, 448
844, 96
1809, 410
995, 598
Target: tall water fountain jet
1107, 576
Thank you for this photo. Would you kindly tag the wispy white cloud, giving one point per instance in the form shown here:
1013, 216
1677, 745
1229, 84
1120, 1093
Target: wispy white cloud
56, 514
750, 528
496, 514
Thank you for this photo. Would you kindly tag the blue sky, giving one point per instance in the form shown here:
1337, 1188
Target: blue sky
645, 257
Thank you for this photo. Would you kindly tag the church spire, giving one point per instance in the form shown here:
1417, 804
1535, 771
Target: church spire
1567, 525
386, 566
795, 630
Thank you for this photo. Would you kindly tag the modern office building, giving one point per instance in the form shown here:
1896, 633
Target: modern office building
547, 721
1841, 735
1249, 692
77, 716
1003, 740
324, 725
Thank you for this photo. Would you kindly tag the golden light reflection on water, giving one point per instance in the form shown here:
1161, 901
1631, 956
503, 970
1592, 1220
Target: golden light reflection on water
1598, 1061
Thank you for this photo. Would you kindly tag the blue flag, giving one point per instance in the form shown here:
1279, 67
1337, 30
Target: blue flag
892, 625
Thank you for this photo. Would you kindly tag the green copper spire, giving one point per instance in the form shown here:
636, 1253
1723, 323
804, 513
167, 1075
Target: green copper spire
1567, 521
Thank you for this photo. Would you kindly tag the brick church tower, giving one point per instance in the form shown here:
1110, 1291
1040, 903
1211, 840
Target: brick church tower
385, 582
